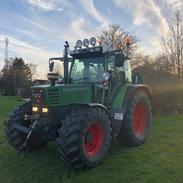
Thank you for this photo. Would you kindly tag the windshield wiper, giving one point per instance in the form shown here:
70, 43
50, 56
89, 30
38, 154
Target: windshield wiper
84, 78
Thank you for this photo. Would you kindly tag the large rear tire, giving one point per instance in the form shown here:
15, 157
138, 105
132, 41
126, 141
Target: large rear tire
17, 138
137, 120
84, 137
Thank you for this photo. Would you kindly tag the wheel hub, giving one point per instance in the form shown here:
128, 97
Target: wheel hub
140, 119
93, 139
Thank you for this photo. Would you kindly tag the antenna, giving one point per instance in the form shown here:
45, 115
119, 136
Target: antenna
6, 50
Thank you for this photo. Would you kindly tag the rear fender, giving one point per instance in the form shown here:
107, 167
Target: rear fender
132, 90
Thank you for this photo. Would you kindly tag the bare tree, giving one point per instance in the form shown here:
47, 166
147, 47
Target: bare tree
138, 59
33, 69
115, 37
172, 44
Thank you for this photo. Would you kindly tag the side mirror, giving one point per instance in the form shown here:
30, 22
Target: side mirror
119, 60
51, 66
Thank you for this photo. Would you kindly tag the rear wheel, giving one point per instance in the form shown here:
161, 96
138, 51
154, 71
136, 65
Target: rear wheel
17, 138
84, 138
137, 120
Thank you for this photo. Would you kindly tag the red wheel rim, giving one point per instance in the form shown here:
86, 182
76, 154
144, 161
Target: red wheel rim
93, 139
140, 119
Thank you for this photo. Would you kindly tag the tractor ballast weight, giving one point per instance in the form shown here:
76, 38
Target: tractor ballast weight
82, 111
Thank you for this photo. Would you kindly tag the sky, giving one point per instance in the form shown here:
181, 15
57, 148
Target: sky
37, 29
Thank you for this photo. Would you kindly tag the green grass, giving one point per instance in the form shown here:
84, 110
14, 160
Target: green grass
159, 160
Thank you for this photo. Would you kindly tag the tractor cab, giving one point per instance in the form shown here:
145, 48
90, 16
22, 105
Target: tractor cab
89, 64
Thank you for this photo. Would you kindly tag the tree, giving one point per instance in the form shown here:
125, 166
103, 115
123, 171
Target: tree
33, 68
114, 37
16, 77
172, 44
6, 82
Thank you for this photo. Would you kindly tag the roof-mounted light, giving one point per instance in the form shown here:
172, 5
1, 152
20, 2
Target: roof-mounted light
85, 42
93, 41
78, 44
100, 42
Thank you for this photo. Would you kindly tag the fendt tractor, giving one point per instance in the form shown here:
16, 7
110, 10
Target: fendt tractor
93, 101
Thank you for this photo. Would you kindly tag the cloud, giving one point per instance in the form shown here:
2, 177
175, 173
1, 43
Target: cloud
77, 26
45, 5
151, 46
145, 12
60, 5
81, 20
176, 4
27, 33
80, 29
53, 6
89, 8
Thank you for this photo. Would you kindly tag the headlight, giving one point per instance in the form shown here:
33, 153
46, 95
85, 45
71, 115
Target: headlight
34, 109
79, 44
86, 42
93, 41
44, 109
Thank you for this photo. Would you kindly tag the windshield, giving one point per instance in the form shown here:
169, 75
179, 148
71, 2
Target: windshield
88, 69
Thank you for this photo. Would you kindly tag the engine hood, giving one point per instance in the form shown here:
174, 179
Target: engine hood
66, 94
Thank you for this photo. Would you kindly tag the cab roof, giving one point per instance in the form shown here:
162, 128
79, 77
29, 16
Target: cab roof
91, 52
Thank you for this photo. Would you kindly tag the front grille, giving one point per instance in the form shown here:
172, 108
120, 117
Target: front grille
34, 96
53, 96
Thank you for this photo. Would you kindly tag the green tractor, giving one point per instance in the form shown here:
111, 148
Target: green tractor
93, 102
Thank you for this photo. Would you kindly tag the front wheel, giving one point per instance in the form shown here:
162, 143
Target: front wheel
17, 138
137, 120
84, 138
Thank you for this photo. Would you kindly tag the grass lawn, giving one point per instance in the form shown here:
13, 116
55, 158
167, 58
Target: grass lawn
159, 160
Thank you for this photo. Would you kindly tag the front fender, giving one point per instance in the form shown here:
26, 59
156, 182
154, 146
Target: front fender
99, 106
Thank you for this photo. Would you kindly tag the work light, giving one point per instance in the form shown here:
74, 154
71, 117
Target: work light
93, 41
86, 42
78, 43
